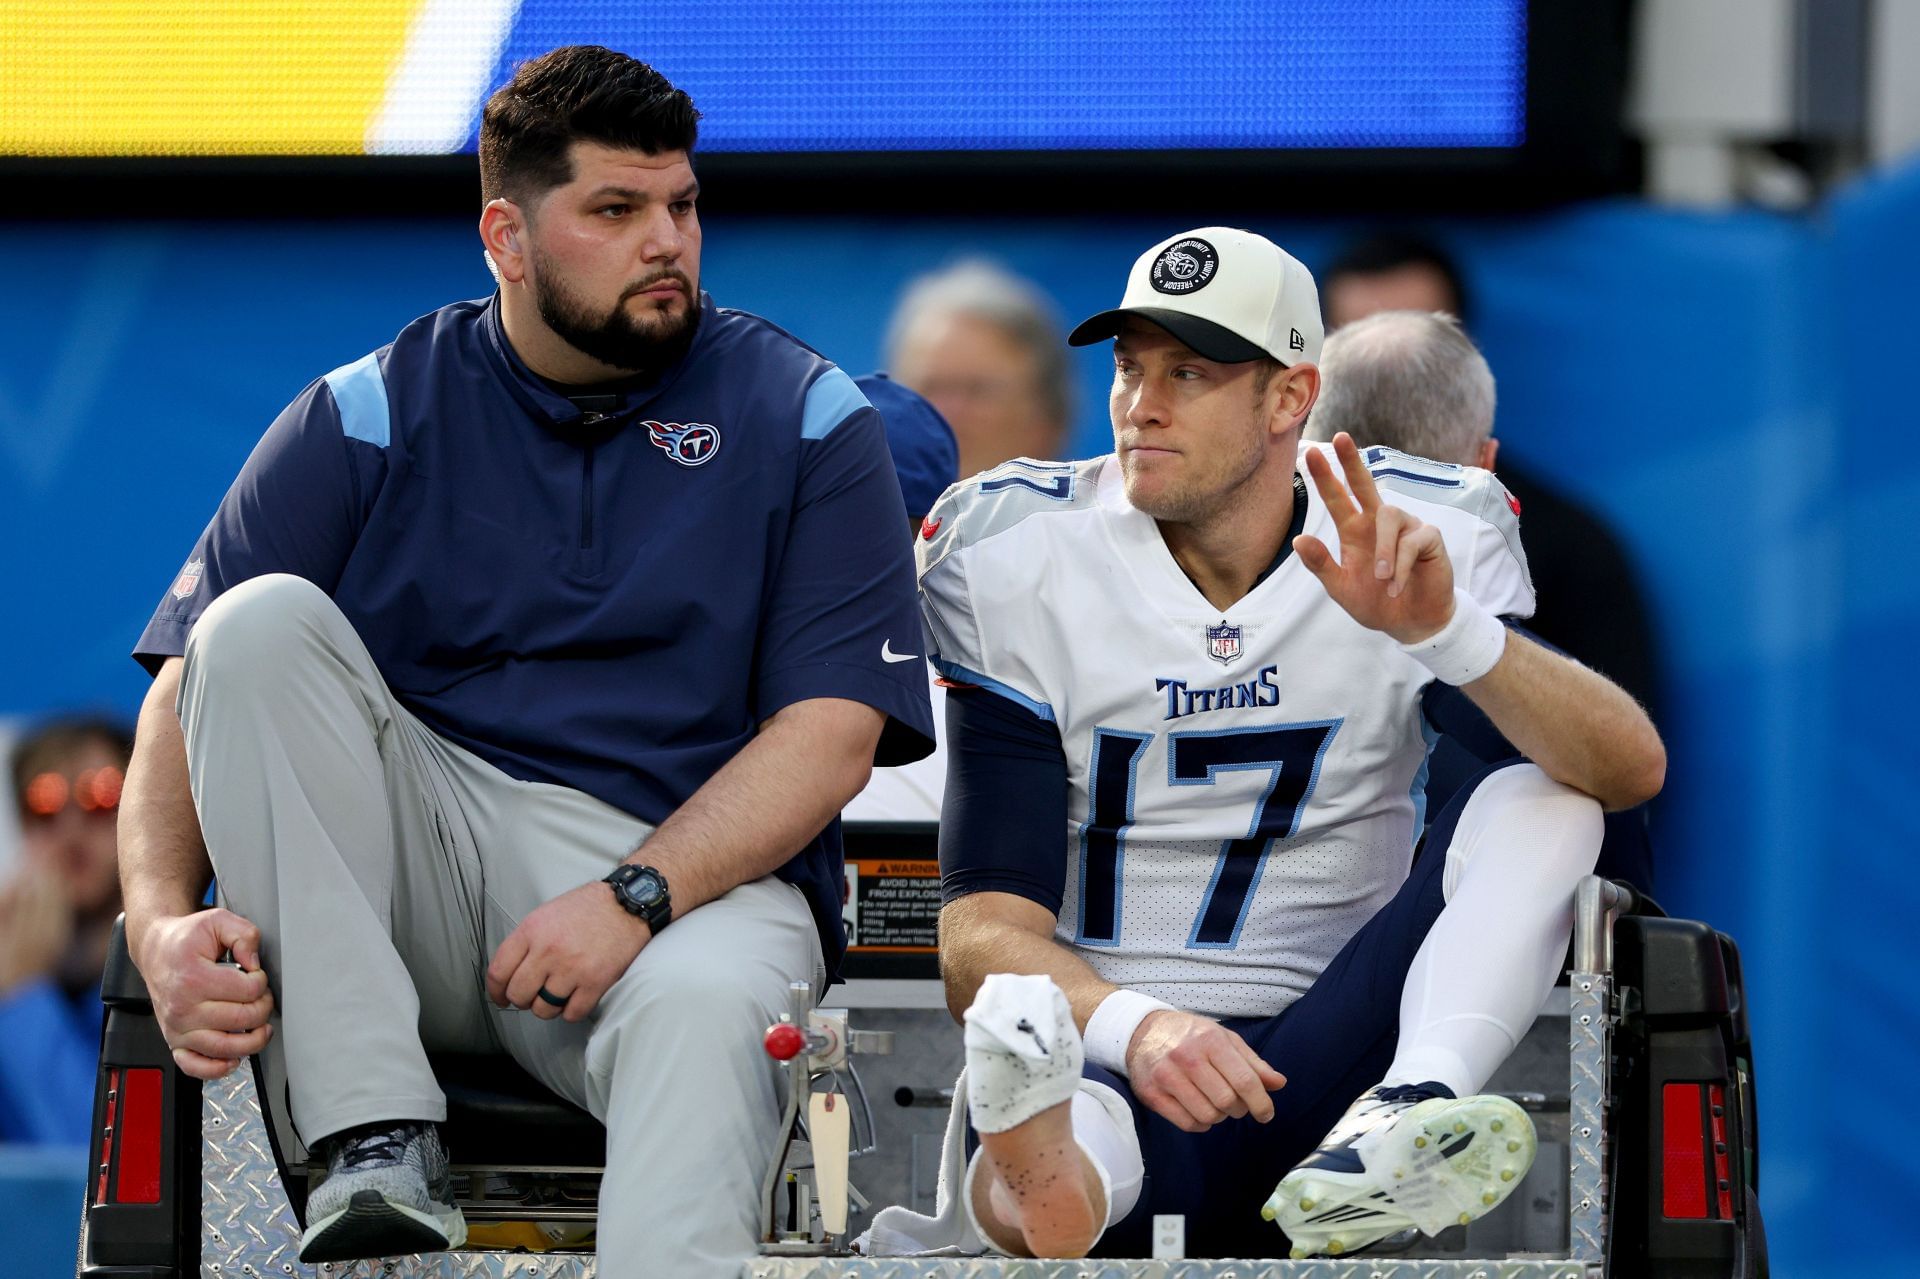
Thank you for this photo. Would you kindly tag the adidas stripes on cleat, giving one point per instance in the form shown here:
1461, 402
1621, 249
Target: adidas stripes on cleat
1404, 1157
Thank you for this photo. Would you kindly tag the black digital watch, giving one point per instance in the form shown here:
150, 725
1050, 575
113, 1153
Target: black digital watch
642, 891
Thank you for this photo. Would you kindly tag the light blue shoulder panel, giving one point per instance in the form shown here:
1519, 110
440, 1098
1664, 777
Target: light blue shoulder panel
831, 400
361, 393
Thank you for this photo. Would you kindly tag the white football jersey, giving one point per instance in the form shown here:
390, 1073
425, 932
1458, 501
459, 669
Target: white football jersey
1245, 785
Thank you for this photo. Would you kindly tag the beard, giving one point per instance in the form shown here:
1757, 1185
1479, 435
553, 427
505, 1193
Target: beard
647, 345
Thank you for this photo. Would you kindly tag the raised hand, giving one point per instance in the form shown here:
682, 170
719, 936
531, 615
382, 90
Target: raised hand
213, 1014
1194, 1072
1393, 574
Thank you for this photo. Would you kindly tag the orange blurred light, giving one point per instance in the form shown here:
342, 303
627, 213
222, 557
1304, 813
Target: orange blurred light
47, 794
98, 790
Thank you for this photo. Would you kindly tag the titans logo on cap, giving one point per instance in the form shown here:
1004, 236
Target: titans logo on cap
1183, 266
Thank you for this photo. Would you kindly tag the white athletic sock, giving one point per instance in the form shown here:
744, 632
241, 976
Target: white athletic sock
1023, 1050
1523, 843
1103, 1125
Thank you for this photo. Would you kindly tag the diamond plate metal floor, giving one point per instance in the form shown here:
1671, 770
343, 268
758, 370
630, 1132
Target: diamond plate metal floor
249, 1231
1355, 1268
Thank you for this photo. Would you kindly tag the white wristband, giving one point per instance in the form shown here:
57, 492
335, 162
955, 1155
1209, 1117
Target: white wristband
1466, 647
1110, 1029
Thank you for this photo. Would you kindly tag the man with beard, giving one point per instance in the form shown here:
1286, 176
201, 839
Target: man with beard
574, 613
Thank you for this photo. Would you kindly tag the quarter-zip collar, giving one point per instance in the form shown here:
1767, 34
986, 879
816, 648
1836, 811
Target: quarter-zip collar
554, 410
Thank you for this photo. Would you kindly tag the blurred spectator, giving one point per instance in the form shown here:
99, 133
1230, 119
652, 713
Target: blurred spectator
1414, 381
986, 347
926, 459
1411, 380
1590, 604
1392, 272
56, 916
9, 815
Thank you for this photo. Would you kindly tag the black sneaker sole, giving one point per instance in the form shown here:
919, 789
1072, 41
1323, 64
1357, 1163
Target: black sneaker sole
371, 1226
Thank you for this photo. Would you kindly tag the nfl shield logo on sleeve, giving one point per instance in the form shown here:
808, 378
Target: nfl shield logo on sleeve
189, 580
1223, 643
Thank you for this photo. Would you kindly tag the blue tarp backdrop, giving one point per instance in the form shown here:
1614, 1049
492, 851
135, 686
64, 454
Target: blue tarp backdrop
1731, 390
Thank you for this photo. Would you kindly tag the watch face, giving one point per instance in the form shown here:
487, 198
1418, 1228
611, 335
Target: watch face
645, 889
642, 891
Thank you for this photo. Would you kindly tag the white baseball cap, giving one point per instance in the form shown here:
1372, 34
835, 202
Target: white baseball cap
1231, 295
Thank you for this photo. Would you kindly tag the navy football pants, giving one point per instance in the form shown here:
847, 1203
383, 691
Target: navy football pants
1332, 1044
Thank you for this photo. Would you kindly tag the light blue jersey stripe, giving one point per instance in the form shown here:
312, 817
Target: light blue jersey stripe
831, 400
964, 676
361, 393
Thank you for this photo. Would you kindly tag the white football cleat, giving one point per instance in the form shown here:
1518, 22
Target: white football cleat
1410, 1156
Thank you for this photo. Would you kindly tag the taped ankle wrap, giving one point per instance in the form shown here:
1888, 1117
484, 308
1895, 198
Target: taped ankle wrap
1023, 1051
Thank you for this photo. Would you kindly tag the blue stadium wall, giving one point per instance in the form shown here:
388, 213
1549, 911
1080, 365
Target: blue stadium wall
1734, 391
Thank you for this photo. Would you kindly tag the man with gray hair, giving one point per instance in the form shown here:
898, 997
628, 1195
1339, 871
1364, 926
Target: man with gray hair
985, 347
1414, 381
1594, 607
1411, 380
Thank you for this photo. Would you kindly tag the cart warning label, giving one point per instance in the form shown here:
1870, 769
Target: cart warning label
892, 906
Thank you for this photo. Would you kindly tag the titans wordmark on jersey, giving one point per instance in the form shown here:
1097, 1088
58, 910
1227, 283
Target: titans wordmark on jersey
1245, 785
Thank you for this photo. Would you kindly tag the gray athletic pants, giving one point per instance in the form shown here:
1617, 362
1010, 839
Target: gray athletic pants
384, 865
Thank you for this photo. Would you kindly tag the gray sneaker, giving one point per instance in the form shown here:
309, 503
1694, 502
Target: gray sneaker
386, 1193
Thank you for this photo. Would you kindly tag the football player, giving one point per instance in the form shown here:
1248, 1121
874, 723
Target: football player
1184, 794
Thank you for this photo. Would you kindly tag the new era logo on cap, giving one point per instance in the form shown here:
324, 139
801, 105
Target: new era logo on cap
1229, 294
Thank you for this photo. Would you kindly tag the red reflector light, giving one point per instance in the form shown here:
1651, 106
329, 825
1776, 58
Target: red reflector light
1722, 1178
106, 1136
137, 1179
1683, 1154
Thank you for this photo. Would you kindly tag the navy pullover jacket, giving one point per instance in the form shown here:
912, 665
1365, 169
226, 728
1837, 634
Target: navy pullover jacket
610, 600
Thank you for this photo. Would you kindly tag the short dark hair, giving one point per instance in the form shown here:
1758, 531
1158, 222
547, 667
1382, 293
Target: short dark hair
579, 93
50, 745
1393, 251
